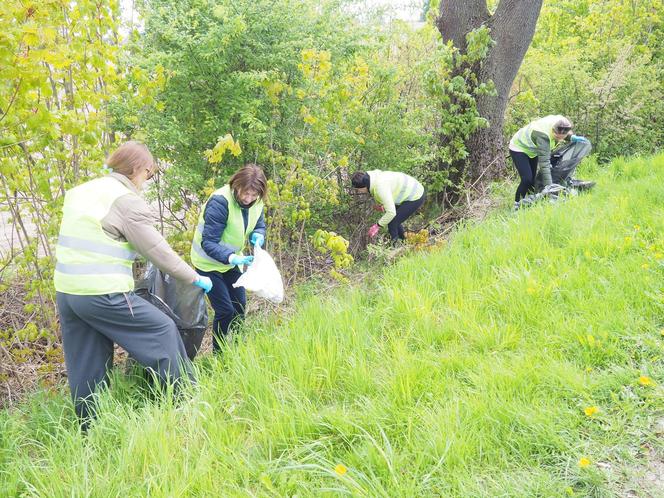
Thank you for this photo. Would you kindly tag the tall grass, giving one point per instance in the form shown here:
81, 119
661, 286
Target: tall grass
461, 372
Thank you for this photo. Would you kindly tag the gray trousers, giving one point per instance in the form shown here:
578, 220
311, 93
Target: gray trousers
92, 324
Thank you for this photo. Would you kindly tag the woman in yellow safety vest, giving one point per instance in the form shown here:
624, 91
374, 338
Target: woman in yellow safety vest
531, 148
231, 216
398, 196
105, 222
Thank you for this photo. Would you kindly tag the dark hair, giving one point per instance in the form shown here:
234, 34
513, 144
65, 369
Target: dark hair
130, 159
360, 179
250, 176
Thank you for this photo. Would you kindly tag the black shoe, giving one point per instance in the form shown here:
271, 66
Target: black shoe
581, 184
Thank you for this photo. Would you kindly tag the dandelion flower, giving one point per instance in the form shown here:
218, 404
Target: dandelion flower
584, 462
340, 469
644, 380
637, 227
628, 239
590, 411
645, 266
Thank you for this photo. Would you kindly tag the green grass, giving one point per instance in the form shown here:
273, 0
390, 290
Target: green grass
461, 372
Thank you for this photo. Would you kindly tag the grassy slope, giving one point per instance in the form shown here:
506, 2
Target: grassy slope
463, 372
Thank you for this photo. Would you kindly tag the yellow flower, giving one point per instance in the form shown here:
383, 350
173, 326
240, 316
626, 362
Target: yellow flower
584, 462
590, 411
658, 255
637, 227
644, 380
531, 290
340, 469
628, 239
310, 119
645, 266
661, 332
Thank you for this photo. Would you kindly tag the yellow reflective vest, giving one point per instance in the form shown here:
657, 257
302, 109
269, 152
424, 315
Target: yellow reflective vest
88, 261
391, 188
522, 141
234, 234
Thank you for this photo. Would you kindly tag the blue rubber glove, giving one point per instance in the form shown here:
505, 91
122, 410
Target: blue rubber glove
578, 138
257, 239
204, 283
234, 259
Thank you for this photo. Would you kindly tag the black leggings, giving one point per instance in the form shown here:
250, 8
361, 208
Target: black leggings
404, 211
527, 168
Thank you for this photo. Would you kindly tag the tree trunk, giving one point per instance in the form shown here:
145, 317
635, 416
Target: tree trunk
512, 27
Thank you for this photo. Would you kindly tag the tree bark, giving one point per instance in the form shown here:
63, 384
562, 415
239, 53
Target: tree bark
512, 27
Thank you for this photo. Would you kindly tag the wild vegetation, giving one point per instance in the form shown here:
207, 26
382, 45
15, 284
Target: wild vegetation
521, 359
307, 89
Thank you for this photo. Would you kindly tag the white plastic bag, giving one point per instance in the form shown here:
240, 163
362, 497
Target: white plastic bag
263, 277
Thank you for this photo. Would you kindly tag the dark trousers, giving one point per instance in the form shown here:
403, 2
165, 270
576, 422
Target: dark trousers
404, 211
527, 168
92, 324
227, 302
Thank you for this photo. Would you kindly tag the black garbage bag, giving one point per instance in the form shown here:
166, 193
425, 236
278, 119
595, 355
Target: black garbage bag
564, 160
183, 302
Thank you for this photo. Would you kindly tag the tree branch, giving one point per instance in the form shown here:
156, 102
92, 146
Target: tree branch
11, 102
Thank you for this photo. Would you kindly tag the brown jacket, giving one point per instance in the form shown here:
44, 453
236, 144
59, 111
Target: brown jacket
131, 219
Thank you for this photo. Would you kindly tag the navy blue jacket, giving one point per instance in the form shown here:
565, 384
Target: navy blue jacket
216, 218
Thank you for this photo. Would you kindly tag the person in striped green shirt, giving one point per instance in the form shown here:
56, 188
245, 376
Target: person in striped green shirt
398, 195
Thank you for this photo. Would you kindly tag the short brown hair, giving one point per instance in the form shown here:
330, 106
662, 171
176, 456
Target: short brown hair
250, 176
130, 159
360, 179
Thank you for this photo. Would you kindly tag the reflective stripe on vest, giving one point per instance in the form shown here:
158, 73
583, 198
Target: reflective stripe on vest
94, 269
98, 247
234, 234
522, 140
88, 261
408, 191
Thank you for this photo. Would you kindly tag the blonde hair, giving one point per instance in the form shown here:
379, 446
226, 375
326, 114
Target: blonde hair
563, 124
130, 159
250, 176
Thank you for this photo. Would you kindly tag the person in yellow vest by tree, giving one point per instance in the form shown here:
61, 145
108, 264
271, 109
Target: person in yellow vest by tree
232, 215
105, 222
398, 195
532, 149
